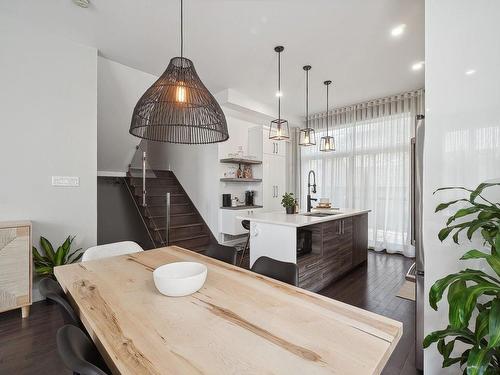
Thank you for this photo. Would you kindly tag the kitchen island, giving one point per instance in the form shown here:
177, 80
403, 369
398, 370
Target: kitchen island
339, 242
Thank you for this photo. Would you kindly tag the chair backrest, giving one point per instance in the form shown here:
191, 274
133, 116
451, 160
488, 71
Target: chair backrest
246, 224
77, 351
111, 250
275, 269
226, 254
52, 291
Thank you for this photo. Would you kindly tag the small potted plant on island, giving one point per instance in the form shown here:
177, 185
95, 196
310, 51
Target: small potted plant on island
288, 201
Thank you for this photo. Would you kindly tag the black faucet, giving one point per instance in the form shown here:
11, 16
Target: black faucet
309, 199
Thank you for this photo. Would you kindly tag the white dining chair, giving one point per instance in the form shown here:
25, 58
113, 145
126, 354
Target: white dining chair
111, 250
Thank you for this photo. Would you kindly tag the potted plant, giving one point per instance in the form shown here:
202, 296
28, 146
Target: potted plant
44, 264
473, 295
288, 201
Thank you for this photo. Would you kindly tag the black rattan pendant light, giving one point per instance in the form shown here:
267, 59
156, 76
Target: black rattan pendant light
279, 130
178, 108
307, 136
327, 143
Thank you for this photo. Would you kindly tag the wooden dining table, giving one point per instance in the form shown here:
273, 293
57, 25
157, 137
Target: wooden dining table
239, 322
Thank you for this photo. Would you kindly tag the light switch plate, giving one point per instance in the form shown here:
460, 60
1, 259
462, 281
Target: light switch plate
65, 181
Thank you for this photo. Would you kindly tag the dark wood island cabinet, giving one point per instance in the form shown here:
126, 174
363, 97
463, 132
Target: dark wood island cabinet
338, 246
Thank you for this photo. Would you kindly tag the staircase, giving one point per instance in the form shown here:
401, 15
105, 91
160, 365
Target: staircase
187, 228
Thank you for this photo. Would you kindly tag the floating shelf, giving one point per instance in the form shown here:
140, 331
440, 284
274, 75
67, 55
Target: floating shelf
241, 179
241, 207
240, 161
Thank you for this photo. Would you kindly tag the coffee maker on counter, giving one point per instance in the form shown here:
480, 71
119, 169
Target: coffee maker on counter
249, 198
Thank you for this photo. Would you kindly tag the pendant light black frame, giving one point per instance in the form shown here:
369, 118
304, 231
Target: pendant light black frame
279, 129
327, 143
178, 108
307, 136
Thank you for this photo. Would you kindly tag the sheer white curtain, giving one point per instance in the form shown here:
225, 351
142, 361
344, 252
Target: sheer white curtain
370, 167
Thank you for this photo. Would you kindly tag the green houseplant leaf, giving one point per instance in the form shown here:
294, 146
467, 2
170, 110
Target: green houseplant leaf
44, 264
494, 324
469, 290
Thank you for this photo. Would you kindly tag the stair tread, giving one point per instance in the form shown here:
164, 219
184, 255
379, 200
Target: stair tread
163, 216
189, 238
179, 226
164, 205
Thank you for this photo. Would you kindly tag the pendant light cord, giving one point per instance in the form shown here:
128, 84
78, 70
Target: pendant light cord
279, 85
327, 110
307, 99
182, 32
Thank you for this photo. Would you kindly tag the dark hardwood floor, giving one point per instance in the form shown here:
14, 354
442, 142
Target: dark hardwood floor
29, 346
373, 286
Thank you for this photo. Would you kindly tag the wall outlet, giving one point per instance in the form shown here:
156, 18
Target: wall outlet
65, 181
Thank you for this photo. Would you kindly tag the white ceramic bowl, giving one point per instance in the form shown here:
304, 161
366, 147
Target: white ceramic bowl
180, 278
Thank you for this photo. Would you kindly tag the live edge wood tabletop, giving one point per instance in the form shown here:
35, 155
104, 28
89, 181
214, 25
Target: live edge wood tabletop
238, 323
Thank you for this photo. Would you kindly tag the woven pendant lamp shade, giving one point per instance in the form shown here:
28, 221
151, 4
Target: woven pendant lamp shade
178, 108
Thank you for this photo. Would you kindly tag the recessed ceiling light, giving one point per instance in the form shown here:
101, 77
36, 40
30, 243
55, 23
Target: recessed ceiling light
470, 72
418, 66
82, 3
398, 30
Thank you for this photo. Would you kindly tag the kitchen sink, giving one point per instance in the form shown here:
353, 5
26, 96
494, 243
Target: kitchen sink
320, 214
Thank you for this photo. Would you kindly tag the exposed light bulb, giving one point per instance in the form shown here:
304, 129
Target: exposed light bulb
306, 139
278, 131
180, 94
398, 30
279, 94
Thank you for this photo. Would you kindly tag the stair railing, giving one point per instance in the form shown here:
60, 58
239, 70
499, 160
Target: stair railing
140, 168
167, 218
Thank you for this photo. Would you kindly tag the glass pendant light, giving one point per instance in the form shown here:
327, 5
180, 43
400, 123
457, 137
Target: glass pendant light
178, 108
327, 143
279, 130
307, 136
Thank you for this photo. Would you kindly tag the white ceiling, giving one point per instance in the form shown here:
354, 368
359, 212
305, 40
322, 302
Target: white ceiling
231, 42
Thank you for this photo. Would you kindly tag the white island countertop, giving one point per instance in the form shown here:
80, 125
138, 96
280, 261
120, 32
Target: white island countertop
302, 219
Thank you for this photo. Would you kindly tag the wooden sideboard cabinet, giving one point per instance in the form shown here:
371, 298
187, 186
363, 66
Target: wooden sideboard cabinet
15, 266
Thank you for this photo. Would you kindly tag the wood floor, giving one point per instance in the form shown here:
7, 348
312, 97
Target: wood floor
29, 346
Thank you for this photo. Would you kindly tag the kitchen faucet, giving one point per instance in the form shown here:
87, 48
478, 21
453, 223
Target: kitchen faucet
309, 199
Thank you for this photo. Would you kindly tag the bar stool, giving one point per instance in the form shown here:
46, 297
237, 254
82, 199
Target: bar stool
246, 225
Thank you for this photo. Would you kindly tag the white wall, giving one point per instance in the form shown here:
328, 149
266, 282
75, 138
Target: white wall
48, 101
118, 90
462, 141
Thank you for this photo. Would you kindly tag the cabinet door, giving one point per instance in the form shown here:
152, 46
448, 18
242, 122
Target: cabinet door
278, 169
268, 145
274, 183
281, 147
268, 186
15, 267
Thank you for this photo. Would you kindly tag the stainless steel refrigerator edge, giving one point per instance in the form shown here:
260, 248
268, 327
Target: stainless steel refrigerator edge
417, 153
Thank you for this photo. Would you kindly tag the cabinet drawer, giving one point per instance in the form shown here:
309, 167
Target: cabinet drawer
15, 267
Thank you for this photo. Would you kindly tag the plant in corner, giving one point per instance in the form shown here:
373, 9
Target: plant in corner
44, 264
473, 295
288, 201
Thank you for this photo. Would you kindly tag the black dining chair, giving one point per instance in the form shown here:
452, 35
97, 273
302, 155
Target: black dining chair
275, 269
226, 254
246, 225
78, 353
52, 291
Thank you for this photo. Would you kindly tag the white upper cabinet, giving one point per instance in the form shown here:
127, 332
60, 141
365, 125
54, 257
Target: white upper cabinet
272, 147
